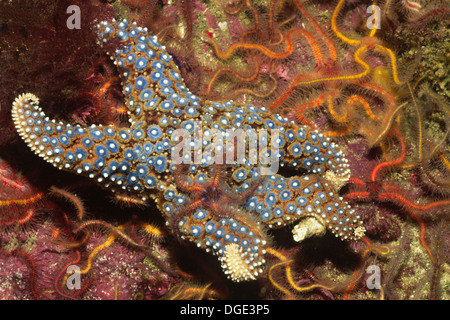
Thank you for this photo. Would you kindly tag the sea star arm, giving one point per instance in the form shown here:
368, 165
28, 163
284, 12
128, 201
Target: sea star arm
151, 81
105, 153
281, 201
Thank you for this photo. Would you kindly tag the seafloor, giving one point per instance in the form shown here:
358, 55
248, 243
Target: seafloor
381, 93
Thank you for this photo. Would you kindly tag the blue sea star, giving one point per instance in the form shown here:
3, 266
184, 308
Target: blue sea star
137, 160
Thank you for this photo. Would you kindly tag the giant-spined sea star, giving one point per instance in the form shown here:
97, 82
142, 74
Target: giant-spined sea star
138, 160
